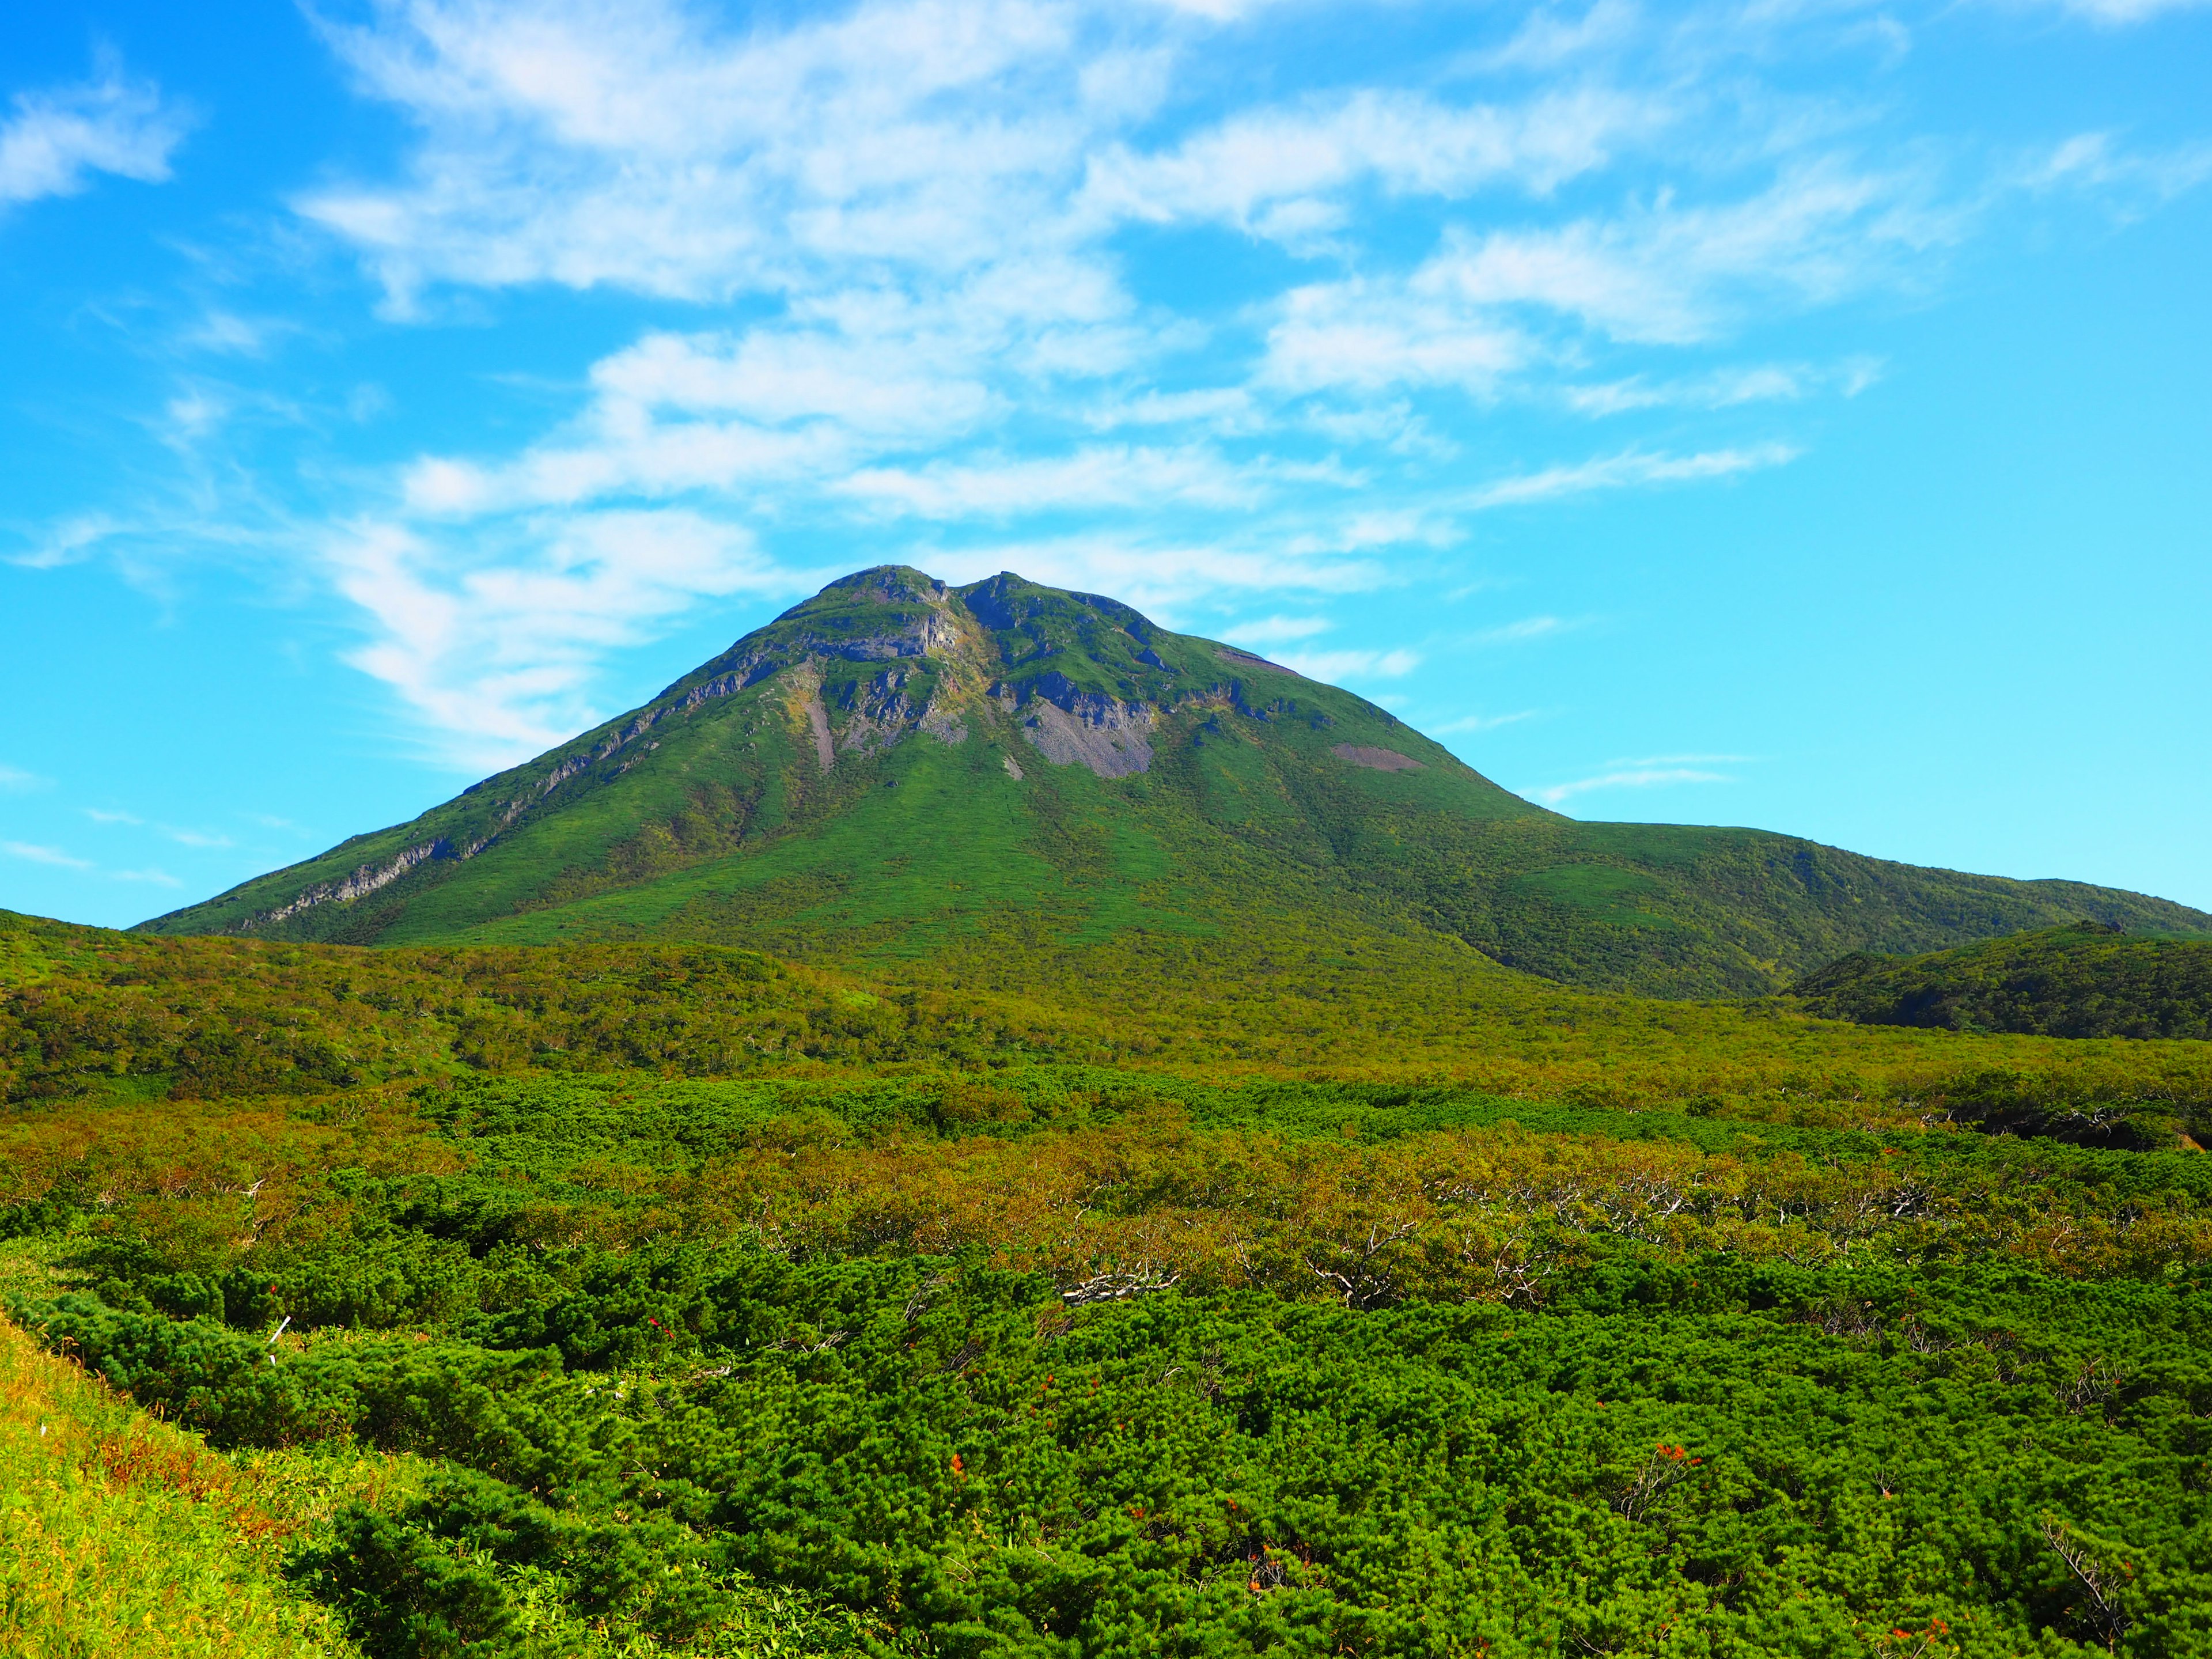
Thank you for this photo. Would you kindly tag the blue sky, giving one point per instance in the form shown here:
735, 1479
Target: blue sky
1784, 414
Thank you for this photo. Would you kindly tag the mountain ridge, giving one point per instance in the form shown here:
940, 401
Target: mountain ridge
899, 769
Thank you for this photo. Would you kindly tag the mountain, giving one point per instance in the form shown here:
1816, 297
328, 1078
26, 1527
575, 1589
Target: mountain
2088, 980
1006, 782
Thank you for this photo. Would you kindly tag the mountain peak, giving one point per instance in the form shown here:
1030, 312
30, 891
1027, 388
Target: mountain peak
900, 766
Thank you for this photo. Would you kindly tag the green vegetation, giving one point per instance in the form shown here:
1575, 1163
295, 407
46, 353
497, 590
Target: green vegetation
129, 1021
120, 1534
1074, 1360
898, 773
2086, 981
976, 1125
672, 1299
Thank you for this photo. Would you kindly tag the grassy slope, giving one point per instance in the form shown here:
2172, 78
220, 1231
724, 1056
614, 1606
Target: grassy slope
719, 823
2075, 982
119, 1534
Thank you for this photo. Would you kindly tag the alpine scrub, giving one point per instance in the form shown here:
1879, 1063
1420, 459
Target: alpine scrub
1071, 1361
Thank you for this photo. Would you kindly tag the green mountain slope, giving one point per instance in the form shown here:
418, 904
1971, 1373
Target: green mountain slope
2085, 980
1009, 782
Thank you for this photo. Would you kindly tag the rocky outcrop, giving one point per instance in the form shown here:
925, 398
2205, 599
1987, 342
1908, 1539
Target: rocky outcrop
818, 719
361, 883
1112, 739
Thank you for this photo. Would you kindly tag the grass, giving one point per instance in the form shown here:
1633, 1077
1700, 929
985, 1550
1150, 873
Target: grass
119, 1534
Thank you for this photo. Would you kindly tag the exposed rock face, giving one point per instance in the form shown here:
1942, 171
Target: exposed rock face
1113, 738
817, 717
1380, 760
363, 881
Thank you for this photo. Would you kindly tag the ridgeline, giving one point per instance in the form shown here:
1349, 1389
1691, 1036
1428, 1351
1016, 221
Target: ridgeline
1006, 783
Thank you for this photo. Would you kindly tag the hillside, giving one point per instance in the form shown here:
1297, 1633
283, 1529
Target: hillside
2085, 980
1008, 780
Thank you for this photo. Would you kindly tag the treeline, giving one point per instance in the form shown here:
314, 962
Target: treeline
2087, 981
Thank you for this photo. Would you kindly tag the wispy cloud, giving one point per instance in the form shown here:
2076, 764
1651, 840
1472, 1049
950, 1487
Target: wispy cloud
1726, 388
1629, 468
37, 854
2131, 180
16, 780
1044, 284
2119, 14
1334, 666
1528, 628
1091, 478
1649, 772
1275, 630
59, 137
158, 877
1469, 724
100, 815
495, 654
1645, 778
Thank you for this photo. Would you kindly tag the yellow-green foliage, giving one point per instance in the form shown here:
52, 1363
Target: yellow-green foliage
121, 1535
123, 1018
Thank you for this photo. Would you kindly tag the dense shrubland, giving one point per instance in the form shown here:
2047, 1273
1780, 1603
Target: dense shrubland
90, 1015
1069, 1359
649, 1299
2088, 981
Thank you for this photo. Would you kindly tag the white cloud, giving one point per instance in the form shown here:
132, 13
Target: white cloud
498, 654
1335, 665
1630, 467
1221, 410
1529, 628
16, 780
1550, 38
1372, 336
36, 854
158, 877
1276, 630
1279, 173
1489, 306
1161, 576
1726, 388
1652, 777
196, 837
1091, 478
586, 144
1472, 723
2098, 163
72, 539
59, 137
905, 258
99, 815
2122, 13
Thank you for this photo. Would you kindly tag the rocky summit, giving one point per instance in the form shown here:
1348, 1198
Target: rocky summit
1005, 779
